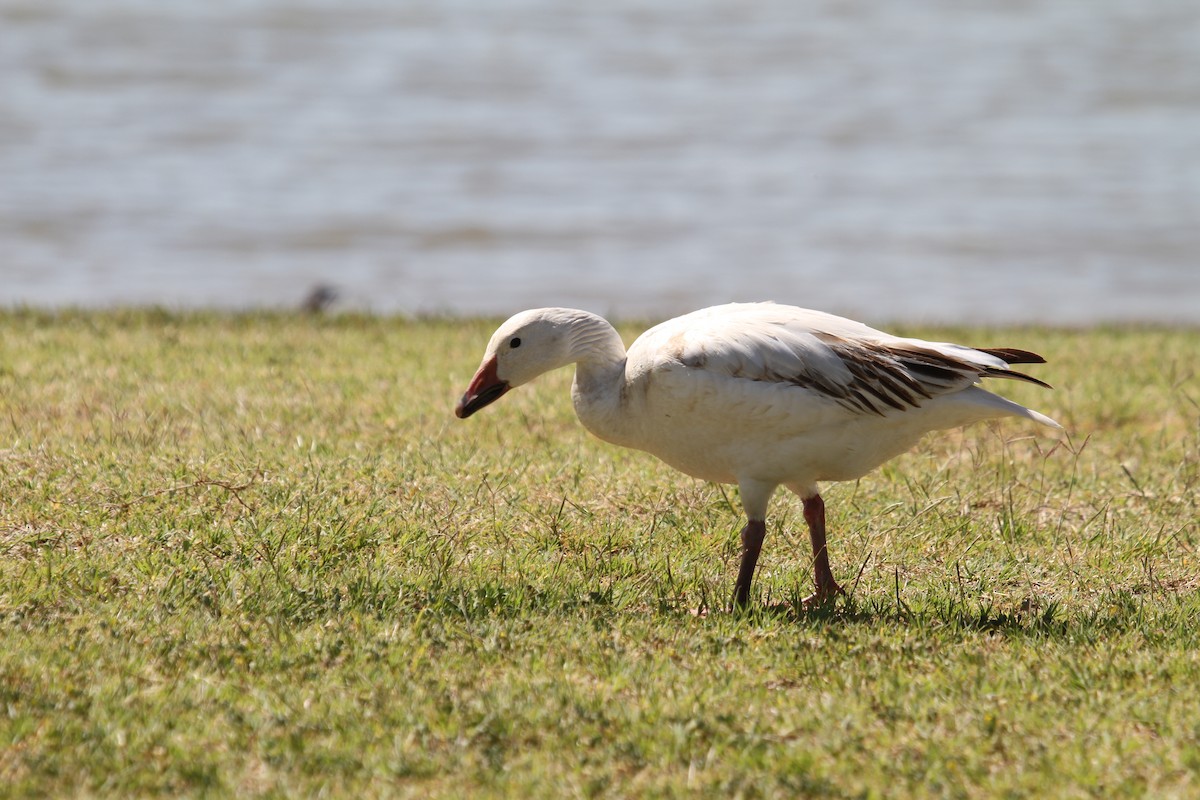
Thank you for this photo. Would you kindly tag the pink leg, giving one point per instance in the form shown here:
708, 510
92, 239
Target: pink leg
827, 587
752, 539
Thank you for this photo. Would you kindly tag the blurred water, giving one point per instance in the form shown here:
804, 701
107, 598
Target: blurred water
1032, 160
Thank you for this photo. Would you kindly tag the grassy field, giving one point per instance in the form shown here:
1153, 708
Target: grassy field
257, 556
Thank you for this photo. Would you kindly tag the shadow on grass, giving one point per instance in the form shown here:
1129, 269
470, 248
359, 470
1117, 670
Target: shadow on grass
1116, 613
951, 615
1163, 617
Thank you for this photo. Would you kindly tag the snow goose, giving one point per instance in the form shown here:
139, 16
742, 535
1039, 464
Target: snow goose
757, 394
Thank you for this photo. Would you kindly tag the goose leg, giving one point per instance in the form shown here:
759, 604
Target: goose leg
752, 539
827, 587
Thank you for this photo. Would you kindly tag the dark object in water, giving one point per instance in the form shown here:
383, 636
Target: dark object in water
319, 298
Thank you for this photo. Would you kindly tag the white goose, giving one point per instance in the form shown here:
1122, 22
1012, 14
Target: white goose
756, 394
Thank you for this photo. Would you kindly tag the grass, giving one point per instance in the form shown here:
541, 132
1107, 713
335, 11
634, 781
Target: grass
256, 555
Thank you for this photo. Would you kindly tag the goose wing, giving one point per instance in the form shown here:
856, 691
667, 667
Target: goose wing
838, 361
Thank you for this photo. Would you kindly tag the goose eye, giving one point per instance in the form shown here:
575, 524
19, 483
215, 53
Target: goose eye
515, 342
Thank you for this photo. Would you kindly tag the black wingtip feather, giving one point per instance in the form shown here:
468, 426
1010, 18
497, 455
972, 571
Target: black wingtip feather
1011, 355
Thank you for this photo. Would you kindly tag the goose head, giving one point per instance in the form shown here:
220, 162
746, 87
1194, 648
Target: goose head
521, 349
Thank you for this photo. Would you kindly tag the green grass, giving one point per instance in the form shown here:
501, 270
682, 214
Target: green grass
257, 555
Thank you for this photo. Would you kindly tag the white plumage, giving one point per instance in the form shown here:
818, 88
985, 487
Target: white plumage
756, 394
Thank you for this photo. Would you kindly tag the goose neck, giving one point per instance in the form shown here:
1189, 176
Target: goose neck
599, 353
